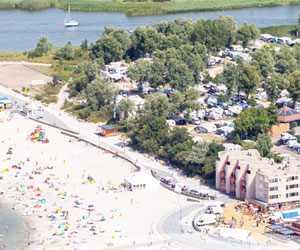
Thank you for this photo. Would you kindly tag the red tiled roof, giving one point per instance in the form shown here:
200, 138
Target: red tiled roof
285, 108
287, 114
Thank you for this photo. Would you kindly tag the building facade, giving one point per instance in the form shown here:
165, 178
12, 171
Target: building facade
245, 174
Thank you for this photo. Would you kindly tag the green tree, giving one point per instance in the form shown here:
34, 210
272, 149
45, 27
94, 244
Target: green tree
264, 144
296, 52
84, 45
252, 122
294, 86
285, 63
107, 48
179, 141
245, 33
273, 86
179, 76
112, 46
99, 93
248, 79
263, 61
126, 107
194, 58
157, 104
176, 102
214, 34
140, 71
229, 77
157, 73
298, 25
198, 153
120, 35
145, 40
84, 73
43, 46
65, 52
148, 132
191, 100
272, 89
272, 112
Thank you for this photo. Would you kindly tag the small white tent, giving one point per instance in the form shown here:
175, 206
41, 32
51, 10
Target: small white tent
141, 181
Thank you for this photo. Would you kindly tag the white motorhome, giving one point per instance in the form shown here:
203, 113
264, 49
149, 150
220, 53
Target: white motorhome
265, 37
209, 127
206, 219
214, 210
292, 142
236, 48
285, 137
284, 40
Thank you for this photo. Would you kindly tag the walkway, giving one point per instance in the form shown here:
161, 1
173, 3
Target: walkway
23, 63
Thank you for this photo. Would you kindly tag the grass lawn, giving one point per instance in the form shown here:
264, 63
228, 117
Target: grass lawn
146, 7
280, 31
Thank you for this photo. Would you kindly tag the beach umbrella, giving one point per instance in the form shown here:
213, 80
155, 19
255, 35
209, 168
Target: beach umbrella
91, 206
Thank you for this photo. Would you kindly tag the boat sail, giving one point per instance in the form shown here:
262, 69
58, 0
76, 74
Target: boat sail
68, 22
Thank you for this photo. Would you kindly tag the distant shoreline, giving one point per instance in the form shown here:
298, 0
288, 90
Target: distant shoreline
133, 8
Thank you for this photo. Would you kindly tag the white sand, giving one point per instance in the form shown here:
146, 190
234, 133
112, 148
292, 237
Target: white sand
130, 216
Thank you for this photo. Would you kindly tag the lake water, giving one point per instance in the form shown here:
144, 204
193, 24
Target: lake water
16, 236
20, 29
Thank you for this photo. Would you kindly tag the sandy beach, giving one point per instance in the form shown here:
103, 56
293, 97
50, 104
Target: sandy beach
70, 195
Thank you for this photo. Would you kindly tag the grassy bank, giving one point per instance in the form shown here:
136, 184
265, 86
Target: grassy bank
144, 7
281, 30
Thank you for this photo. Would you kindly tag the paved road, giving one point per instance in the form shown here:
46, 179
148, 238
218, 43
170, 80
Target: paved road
284, 150
19, 101
24, 63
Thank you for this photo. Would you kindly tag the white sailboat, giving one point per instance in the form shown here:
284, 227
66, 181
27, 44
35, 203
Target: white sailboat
68, 22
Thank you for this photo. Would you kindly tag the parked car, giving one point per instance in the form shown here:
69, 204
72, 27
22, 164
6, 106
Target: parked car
200, 130
194, 192
207, 118
226, 52
195, 121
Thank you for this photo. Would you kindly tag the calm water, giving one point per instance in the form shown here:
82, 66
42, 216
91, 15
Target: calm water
19, 29
17, 233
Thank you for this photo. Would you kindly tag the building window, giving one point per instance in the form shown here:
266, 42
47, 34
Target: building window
293, 194
273, 188
291, 186
273, 180
273, 196
292, 178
